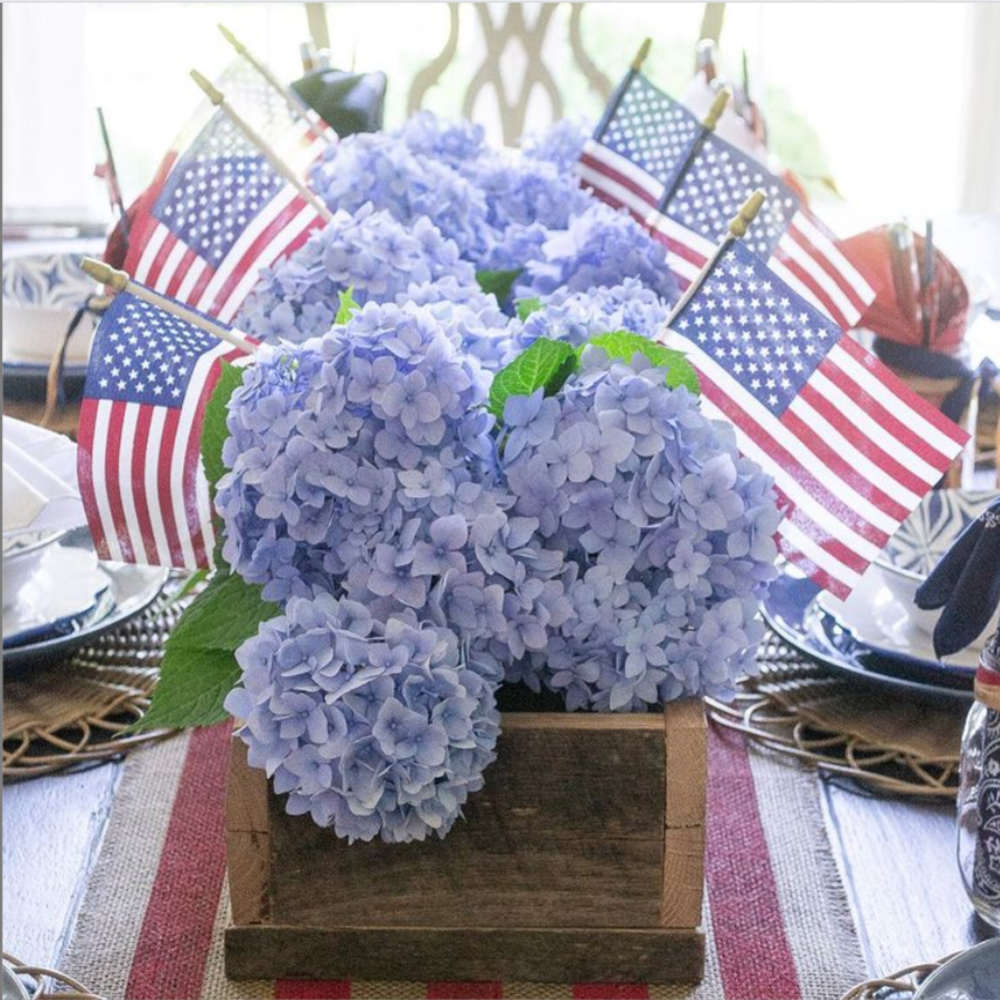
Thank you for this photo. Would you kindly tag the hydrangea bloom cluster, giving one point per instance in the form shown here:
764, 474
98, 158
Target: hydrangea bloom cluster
376, 729
368, 252
356, 460
600, 247
503, 211
667, 535
577, 317
379, 167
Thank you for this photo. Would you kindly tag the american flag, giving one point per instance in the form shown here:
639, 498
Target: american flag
851, 448
139, 460
639, 152
267, 110
217, 214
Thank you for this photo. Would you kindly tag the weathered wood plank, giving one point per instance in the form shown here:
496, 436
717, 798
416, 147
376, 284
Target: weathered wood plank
569, 830
488, 953
248, 839
684, 844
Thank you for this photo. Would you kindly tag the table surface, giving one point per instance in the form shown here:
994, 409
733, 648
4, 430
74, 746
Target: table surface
896, 856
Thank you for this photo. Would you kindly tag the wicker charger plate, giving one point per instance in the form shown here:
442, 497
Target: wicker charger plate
889, 744
73, 712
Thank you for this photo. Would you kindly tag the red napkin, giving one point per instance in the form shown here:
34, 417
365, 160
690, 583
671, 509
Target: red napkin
869, 253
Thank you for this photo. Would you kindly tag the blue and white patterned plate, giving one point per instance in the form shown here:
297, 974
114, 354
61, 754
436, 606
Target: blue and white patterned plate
792, 610
972, 975
53, 279
925, 536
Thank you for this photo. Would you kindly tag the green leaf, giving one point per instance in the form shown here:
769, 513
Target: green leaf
525, 307
197, 577
347, 306
546, 364
199, 665
498, 283
214, 430
193, 685
624, 345
222, 616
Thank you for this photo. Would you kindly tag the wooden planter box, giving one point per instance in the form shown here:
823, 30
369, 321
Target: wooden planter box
582, 860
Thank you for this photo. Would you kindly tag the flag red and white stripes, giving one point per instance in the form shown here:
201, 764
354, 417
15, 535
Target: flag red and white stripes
852, 449
652, 157
219, 212
139, 457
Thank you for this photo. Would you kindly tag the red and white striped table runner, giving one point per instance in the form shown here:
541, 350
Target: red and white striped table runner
152, 920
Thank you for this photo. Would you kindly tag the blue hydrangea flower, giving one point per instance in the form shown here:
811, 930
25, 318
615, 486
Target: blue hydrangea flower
601, 246
368, 252
661, 534
374, 729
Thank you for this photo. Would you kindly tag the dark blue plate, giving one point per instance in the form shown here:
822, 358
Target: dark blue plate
792, 611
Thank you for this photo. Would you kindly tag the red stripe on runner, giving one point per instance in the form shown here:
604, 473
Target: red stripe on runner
176, 934
164, 463
755, 957
464, 991
112, 469
140, 459
85, 475
899, 388
180, 272
836, 507
862, 441
254, 255
312, 989
611, 991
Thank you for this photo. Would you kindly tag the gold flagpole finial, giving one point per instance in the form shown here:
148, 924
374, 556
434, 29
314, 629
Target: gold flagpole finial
748, 212
105, 273
718, 106
214, 94
232, 39
640, 56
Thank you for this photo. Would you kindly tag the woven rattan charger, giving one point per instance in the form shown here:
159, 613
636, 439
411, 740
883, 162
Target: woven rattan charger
74, 712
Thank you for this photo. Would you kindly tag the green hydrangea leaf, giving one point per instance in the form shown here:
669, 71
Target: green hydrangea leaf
623, 346
191, 690
498, 283
222, 616
214, 430
348, 307
525, 307
546, 364
199, 666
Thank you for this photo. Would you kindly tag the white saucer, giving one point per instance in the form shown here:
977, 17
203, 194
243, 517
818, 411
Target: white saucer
879, 620
66, 587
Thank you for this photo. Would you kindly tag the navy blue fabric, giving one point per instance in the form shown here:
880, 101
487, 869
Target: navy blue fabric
966, 583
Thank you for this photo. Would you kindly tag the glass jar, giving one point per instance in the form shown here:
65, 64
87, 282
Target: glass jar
979, 791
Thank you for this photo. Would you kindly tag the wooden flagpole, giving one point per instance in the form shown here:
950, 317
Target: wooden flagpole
707, 127
616, 99
298, 107
119, 281
219, 100
738, 227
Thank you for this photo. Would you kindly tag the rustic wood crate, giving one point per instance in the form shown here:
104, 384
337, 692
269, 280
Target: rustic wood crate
581, 861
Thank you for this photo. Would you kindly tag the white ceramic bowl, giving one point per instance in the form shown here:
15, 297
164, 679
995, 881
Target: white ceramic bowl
41, 295
21, 558
922, 539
